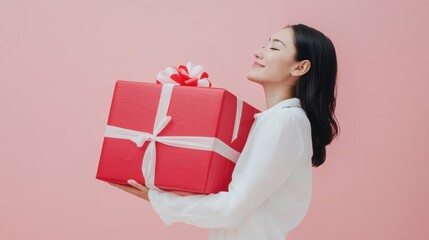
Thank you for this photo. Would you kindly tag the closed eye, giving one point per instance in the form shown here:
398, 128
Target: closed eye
274, 49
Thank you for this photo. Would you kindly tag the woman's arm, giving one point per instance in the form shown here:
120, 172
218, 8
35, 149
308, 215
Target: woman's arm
274, 148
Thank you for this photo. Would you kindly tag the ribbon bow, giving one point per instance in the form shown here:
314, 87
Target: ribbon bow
187, 75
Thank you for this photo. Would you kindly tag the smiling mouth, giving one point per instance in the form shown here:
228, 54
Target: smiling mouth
256, 64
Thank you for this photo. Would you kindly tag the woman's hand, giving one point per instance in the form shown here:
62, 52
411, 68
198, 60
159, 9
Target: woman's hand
135, 189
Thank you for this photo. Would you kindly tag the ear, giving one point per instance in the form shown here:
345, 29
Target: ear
301, 68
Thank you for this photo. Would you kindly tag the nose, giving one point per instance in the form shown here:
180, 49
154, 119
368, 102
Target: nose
258, 54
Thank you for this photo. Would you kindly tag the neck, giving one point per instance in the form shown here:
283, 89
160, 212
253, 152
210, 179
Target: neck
275, 93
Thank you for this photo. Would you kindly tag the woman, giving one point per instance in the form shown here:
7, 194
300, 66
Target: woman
271, 185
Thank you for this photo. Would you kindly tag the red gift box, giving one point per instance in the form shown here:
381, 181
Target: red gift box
174, 138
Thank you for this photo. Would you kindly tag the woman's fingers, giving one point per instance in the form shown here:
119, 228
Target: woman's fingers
137, 185
136, 189
129, 189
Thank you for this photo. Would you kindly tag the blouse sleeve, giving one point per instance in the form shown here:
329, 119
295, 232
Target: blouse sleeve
273, 149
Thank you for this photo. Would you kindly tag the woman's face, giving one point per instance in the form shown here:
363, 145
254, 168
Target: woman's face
274, 62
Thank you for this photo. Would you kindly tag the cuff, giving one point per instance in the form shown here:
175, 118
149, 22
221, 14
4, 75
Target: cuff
159, 204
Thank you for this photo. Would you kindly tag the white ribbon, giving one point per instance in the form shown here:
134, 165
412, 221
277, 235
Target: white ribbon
161, 121
237, 119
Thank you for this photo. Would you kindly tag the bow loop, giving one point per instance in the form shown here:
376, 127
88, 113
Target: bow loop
186, 75
165, 120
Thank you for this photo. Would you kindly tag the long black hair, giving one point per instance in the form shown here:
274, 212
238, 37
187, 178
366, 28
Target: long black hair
316, 89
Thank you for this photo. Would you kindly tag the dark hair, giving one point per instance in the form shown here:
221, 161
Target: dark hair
316, 89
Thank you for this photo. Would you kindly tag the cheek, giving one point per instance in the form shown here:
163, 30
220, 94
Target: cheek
277, 69
280, 67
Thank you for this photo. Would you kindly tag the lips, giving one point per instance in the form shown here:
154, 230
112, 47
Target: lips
256, 64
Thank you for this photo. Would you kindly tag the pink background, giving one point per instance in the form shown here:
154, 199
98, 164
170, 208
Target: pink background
59, 61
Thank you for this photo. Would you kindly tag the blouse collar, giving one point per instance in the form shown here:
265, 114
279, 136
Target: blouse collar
290, 102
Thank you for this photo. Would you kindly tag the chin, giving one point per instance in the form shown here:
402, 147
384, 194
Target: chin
253, 78
256, 75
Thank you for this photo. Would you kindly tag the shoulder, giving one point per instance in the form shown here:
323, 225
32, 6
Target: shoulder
285, 116
289, 122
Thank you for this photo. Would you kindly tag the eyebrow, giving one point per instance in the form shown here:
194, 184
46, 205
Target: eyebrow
277, 40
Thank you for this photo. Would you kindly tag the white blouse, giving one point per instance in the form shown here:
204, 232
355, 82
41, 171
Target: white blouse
271, 184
